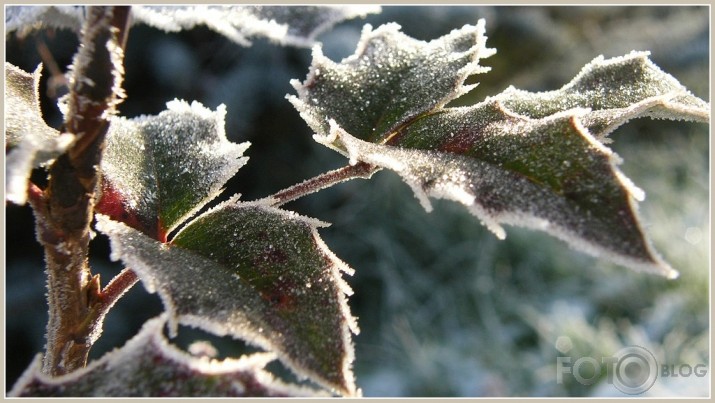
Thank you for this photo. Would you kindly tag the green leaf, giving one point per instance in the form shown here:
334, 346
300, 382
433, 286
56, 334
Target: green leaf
302, 24
29, 141
288, 25
550, 176
148, 366
615, 91
160, 170
533, 160
256, 273
25, 19
389, 81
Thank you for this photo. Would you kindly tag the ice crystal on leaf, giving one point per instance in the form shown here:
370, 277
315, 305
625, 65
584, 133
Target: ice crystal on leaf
245, 270
533, 160
148, 366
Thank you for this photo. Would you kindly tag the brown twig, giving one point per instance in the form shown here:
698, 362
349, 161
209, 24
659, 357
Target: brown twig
64, 210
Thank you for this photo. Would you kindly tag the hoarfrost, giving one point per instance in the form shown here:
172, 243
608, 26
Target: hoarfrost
297, 25
92, 87
642, 90
498, 196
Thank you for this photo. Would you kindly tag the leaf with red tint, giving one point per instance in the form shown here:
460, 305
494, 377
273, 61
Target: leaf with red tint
159, 170
252, 272
535, 160
148, 366
112, 204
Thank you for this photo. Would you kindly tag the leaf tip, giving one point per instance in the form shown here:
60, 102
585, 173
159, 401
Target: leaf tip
672, 274
657, 266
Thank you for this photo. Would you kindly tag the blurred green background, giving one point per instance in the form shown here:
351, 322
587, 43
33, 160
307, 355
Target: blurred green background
445, 308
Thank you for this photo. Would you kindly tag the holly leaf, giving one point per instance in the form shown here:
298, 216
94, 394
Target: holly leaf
252, 272
286, 25
390, 80
303, 24
615, 91
25, 19
532, 160
148, 366
160, 170
29, 141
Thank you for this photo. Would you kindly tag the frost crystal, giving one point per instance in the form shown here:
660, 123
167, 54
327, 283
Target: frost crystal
390, 80
498, 195
643, 89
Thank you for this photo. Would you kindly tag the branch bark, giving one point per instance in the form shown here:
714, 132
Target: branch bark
65, 209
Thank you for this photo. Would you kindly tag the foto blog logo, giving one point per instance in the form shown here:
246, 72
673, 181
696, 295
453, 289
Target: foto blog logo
632, 370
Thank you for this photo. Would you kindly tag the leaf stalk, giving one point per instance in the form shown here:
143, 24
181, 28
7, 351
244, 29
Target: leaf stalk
361, 170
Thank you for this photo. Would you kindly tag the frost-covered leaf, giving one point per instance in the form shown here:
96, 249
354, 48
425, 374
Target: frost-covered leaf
256, 273
389, 81
29, 141
304, 23
159, 170
287, 25
25, 19
148, 366
550, 175
23, 115
615, 90
533, 160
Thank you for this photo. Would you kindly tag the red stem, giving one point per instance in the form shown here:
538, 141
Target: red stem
114, 290
361, 170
